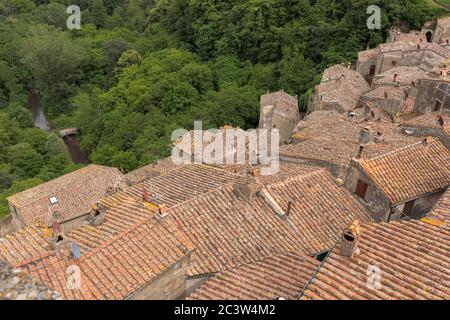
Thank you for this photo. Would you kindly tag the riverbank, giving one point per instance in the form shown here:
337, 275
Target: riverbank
78, 155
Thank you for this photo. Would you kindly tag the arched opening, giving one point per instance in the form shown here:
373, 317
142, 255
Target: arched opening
429, 36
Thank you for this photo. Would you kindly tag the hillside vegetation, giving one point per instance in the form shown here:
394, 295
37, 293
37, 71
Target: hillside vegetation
139, 69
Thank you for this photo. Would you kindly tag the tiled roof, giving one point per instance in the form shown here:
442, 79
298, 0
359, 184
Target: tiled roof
393, 93
413, 37
321, 209
24, 245
412, 171
279, 276
120, 267
413, 257
405, 75
334, 138
149, 171
441, 211
343, 86
170, 188
227, 231
368, 54
397, 46
75, 193
427, 120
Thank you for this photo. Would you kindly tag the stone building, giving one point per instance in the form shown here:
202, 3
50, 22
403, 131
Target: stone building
67, 199
428, 57
403, 183
279, 111
442, 32
339, 90
432, 96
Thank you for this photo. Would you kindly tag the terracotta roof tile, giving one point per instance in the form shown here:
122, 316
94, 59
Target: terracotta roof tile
413, 257
412, 171
118, 268
441, 210
283, 275
75, 192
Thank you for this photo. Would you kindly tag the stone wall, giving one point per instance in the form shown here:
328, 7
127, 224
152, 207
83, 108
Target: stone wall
438, 133
392, 107
430, 93
375, 200
7, 225
193, 283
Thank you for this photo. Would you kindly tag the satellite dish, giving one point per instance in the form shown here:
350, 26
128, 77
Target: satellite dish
57, 227
76, 250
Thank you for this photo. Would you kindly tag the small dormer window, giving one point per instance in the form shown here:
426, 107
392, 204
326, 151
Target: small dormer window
53, 200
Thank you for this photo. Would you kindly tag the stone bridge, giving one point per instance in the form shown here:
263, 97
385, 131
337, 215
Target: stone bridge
68, 132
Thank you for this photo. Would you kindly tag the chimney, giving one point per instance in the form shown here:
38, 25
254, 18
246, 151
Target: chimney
413, 83
97, 214
146, 196
256, 172
58, 238
162, 212
247, 190
364, 136
289, 207
385, 95
350, 240
360, 152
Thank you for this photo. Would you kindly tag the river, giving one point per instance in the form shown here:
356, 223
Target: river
40, 121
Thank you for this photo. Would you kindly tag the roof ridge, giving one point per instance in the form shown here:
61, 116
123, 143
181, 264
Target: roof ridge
50, 182
297, 177
430, 139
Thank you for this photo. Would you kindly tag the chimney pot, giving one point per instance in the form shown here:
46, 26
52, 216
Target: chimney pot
256, 172
350, 240
289, 207
360, 152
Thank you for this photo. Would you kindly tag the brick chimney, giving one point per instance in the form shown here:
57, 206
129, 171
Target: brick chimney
162, 212
350, 240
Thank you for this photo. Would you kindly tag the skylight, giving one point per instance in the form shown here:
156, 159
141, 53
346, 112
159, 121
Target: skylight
53, 200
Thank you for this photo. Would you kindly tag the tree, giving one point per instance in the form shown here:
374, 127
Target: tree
54, 61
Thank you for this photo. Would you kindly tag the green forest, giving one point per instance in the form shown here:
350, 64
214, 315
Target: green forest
138, 69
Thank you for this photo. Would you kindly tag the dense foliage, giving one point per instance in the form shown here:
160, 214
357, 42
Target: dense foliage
138, 69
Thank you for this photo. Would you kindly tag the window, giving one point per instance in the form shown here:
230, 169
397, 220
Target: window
361, 189
437, 106
53, 200
372, 70
394, 64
